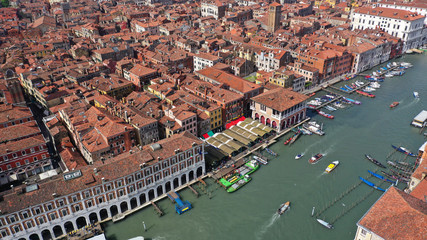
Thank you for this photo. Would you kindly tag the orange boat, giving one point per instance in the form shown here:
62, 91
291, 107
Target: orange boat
287, 141
394, 104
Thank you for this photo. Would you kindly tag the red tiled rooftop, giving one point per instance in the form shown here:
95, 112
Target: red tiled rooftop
280, 99
397, 215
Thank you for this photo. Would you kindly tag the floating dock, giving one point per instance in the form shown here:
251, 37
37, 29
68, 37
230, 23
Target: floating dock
180, 206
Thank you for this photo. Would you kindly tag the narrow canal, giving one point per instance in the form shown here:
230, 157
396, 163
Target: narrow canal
249, 213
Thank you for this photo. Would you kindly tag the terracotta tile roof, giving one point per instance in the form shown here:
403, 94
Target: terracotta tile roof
420, 191
19, 131
397, 215
280, 99
140, 70
10, 112
21, 144
422, 168
389, 13
234, 82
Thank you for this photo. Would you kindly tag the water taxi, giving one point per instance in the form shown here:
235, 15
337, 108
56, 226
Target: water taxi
282, 209
332, 166
325, 224
315, 158
394, 104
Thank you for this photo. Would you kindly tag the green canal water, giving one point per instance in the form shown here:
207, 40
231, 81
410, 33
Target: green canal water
249, 213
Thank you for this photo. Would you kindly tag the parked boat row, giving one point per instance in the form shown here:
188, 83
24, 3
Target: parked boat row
232, 182
382, 177
371, 184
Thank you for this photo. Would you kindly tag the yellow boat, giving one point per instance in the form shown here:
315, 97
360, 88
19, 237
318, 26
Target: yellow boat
332, 166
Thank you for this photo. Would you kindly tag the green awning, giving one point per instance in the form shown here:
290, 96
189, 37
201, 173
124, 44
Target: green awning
258, 125
210, 133
252, 129
214, 142
229, 141
242, 132
245, 141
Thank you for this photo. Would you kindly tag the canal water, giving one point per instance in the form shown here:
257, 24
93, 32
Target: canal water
249, 213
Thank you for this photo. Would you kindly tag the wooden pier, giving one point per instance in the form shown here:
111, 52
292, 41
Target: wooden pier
193, 190
158, 210
203, 182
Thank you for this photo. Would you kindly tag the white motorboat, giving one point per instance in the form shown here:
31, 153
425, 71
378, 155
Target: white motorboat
283, 208
299, 156
325, 224
375, 85
332, 166
416, 95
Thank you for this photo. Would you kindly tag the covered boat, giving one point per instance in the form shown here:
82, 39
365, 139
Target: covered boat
404, 150
260, 160
315, 158
332, 166
325, 224
282, 209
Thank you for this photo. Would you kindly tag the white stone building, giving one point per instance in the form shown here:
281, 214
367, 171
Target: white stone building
405, 25
417, 7
48, 210
204, 60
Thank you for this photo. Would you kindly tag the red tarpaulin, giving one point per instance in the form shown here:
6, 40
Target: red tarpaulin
232, 123
206, 136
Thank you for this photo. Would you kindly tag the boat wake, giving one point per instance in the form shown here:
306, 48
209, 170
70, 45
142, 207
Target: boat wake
267, 225
410, 104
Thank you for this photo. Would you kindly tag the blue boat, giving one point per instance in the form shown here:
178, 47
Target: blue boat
344, 89
371, 184
348, 87
349, 100
381, 177
404, 150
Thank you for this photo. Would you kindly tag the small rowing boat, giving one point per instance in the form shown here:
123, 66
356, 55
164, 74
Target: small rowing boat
299, 156
332, 166
315, 158
374, 161
371, 184
282, 209
325, 224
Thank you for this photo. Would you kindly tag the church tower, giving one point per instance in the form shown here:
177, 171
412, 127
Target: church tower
274, 15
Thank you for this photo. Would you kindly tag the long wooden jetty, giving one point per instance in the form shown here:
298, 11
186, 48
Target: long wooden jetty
158, 210
193, 190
